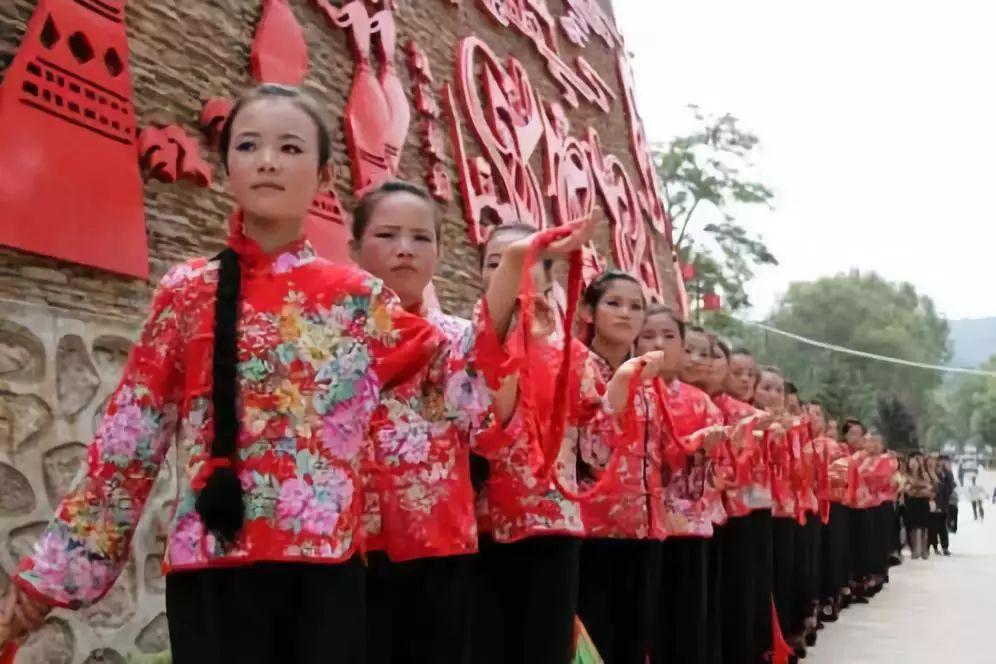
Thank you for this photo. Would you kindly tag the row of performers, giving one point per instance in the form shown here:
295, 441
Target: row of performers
362, 478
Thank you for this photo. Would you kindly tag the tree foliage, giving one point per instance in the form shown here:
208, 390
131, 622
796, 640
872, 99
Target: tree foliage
709, 169
864, 312
964, 409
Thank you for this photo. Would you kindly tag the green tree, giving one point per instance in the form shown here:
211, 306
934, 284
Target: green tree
964, 408
708, 169
896, 423
864, 312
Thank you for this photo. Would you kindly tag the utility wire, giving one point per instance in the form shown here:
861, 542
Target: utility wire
870, 356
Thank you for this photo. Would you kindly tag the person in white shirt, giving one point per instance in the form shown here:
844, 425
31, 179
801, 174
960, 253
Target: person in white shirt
977, 495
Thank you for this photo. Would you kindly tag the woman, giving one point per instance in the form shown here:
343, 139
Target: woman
684, 630
265, 364
919, 493
531, 526
625, 523
938, 506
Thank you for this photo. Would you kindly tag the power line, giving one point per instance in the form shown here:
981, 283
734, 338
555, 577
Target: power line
870, 356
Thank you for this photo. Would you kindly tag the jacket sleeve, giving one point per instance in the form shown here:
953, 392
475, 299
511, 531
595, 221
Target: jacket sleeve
403, 344
86, 545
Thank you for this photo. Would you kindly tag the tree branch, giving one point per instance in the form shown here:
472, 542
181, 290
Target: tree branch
684, 226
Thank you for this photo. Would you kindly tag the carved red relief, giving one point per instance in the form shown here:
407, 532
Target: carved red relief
377, 113
649, 194
581, 18
506, 118
213, 115
279, 52
169, 154
533, 19
70, 185
437, 180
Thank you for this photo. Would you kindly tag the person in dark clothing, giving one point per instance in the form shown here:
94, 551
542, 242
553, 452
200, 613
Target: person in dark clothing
943, 499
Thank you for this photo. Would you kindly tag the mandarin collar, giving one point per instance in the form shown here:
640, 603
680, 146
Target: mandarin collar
253, 257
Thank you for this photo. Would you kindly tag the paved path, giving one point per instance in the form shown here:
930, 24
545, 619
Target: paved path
936, 611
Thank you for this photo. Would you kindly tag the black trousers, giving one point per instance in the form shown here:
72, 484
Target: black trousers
836, 551
617, 597
715, 598
297, 613
764, 571
418, 612
808, 565
786, 532
862, 546
525, 600
738, 589
682, 632
885, 521
977, 510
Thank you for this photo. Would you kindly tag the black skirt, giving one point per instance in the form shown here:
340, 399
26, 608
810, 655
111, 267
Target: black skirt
917, 512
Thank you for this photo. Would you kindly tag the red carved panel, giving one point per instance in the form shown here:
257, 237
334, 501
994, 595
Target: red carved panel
436, 177
507, 121
327, 227
170, 154
584, 17
532, 18
650, 200
213, 115
70, 185
279, 52
377, 113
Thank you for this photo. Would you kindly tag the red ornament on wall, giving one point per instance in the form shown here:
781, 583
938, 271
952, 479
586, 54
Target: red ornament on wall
507, 120
169, 154
711, 302
70, 185
436, 177
532, 18
377, 113
279, 52
649, 195
584, 17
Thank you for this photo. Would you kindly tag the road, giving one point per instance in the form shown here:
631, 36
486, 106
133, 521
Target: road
936, 611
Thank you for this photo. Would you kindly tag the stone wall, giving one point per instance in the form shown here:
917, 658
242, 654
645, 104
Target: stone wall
65, 328
57, 369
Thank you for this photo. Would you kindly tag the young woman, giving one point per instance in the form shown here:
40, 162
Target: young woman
263, 366
620, 558
746, 576
919, 492
783, 452
419, 516
859, 501
832, 488
805, 478
937, 515
684, 632
531, 525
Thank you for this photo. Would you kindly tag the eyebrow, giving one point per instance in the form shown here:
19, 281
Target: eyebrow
256, 134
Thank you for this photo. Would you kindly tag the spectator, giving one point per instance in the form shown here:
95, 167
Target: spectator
977, 494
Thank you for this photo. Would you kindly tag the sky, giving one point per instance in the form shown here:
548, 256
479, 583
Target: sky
877, 127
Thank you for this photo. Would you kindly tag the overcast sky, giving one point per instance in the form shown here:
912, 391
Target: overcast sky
877, 121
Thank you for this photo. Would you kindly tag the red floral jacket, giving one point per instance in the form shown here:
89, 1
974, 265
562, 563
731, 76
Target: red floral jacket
752, 490
690, 496
419, 501
838, 459
517, 502
317, 343
821, 453
806, 471
632, 504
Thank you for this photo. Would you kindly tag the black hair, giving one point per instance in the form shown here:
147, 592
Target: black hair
772, 369
740, 350
657, 308
850, 423
596, 290
367, 204
522, 229
790, 388
298, 97
723, 347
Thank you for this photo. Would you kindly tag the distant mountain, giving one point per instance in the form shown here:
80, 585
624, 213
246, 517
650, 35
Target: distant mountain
973, 341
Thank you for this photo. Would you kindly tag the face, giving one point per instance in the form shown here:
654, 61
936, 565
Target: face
492, 257
740, 379
273, 168
770, 393
832, 430
399, 245
698, 348
855, 436
660, 332
618, 316
815, 414
792, 404
720, 368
